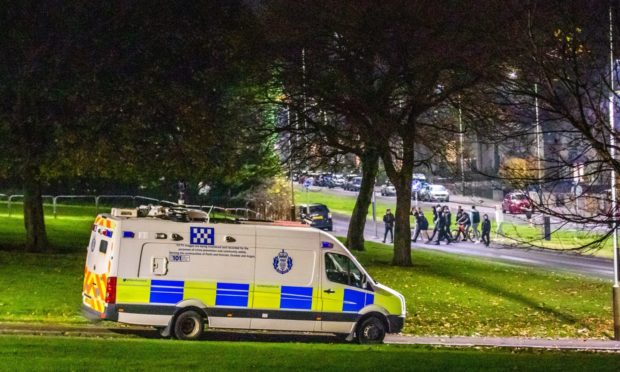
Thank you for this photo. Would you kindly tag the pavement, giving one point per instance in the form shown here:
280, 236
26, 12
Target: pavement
128, 331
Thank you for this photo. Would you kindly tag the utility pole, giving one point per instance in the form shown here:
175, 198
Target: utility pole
461, 135
290, 163
614, 202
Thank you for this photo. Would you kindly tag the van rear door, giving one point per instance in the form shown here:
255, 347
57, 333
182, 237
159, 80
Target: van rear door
97, 268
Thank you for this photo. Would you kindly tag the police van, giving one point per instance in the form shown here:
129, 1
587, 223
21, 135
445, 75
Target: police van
179, 271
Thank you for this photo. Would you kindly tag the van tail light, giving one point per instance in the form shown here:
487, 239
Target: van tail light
110, 290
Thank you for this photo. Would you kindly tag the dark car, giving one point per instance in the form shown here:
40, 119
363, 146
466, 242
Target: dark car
316, 215
515, 202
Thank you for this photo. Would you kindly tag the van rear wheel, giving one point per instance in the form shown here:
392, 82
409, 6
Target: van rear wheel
371, 331
189, 325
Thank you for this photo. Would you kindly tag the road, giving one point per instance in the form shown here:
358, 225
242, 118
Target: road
561, 261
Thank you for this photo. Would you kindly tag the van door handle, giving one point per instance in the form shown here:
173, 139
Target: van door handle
329, 291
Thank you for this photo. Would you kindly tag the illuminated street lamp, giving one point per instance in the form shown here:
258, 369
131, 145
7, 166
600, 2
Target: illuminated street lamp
614, 202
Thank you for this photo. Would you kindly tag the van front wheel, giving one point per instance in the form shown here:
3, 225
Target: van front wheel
189, 325
371, 331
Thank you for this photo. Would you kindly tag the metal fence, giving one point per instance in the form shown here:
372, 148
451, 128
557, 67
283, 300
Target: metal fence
97, 199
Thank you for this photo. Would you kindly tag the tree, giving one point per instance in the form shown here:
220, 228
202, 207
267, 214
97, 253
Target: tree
556, 90
390, 69
121, 91
518, 172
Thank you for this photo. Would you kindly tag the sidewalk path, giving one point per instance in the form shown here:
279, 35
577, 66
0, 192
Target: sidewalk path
564, 261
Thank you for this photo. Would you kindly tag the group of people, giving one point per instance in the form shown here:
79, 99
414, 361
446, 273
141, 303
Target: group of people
442, 219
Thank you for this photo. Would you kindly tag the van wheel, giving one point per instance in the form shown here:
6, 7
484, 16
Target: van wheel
371, 331
189, 325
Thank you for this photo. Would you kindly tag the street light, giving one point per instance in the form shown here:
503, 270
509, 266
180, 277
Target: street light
461, 141
614, 202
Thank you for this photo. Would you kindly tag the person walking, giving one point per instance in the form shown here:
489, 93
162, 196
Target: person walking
475, 221
459, 213
441, 228
388, 220
421, 224
486, 230
436, 214
448, 223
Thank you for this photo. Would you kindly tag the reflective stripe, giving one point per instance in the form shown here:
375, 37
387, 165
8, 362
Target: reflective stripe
354, 301
296, 298
133, 290
166, 291
232, 294
266, 297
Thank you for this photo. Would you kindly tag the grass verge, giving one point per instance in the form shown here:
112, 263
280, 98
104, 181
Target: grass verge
68, 353
446, 294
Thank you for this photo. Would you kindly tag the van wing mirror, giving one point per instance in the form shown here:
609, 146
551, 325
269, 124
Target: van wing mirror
364, 281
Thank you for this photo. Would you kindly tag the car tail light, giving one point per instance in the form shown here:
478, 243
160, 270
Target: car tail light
110, 290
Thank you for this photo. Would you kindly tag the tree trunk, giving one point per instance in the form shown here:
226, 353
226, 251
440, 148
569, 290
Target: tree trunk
355, 235
401, 178
36, 237
402, 225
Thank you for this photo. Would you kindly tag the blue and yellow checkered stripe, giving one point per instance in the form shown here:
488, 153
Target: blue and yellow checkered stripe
222, 294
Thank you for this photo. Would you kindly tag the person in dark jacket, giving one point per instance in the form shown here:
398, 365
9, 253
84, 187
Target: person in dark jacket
421, 224
447, 223
436, 217
475, 221
459, 213
388, 220
441, 227
486, 230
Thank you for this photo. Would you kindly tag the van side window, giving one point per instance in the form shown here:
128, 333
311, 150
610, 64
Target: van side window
103, 246
340, 269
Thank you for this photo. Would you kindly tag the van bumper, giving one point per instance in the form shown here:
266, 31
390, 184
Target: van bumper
110, 313
396, 323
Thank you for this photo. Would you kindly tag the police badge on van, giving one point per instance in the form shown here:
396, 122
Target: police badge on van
282, 263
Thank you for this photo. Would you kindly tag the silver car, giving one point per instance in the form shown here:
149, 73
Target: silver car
388, 189
432, 192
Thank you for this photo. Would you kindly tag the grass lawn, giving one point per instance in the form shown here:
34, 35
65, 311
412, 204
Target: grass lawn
446, 294
69, 353
512, 233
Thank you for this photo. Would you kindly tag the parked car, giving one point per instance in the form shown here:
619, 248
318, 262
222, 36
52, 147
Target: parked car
387, 189
325, 181
338, 180
316, 215
354, 184
515, 202
432, 192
